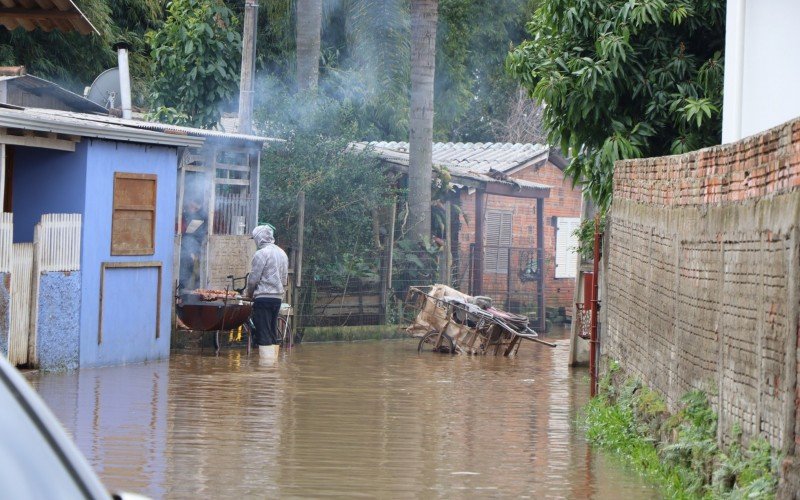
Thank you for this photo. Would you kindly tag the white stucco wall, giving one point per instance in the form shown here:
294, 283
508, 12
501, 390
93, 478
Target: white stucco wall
762, 66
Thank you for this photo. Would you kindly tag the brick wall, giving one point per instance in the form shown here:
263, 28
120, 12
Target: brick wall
563, 202
702, 279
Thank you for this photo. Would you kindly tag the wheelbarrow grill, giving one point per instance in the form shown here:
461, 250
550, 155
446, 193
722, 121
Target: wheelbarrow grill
212, 315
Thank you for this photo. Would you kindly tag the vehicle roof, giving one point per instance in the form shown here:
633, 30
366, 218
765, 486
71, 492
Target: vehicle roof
43, 417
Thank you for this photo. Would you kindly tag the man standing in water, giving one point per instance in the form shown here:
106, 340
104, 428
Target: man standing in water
266, 285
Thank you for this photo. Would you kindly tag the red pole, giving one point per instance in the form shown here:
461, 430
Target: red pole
593, 342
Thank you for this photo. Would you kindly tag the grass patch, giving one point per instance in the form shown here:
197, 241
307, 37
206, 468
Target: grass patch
352, 333
679, 451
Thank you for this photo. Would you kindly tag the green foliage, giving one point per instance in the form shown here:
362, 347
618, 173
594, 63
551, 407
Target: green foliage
585, 235
624, 79
680, 452
196, 55
342, 190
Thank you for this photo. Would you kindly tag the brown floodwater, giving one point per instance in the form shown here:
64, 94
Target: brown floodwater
368, 419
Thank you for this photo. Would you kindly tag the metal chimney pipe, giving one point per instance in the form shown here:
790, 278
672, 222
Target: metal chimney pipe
124, 78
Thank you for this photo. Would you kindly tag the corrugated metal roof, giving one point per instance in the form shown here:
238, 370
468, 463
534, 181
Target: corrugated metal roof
161, 127
477, 156
82, 125
47, 15
38, 85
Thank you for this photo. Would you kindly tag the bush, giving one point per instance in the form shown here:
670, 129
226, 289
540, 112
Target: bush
680, 451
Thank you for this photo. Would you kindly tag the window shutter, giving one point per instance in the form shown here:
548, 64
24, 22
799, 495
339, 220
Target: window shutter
133, 222
492, 237
566, 245
498, 240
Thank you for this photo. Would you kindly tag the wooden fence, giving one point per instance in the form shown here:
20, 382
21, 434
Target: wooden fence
6, 237
56, 247
59, 243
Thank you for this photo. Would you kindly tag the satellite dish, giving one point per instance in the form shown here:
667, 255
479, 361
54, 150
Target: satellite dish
105, 89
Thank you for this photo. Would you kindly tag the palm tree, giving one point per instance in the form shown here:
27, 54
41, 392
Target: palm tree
308, 33
424, 16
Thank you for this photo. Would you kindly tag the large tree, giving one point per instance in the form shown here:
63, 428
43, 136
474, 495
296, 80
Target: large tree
424, 14
624, 79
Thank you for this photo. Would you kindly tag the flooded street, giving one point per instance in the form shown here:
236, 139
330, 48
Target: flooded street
370, 419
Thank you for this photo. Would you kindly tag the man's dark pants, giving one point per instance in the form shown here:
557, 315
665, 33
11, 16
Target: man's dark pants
265, 319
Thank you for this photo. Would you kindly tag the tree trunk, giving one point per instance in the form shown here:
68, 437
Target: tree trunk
309, 31
423, 63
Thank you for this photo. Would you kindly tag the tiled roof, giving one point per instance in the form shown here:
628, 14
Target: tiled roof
469, 162
477, 157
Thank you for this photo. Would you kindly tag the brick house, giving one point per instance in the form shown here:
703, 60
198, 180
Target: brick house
527, 261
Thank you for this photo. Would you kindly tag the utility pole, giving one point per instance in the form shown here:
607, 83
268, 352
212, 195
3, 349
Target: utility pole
247, 84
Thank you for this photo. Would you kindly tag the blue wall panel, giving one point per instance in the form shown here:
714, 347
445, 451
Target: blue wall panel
46, 182
104, 159
129, 316
58, 321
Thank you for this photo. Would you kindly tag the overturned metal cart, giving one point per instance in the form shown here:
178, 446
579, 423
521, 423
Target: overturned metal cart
449, 321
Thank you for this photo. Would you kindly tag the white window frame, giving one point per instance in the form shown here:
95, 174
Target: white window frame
566, 265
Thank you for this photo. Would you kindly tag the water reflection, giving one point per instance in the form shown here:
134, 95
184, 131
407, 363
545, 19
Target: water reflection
348, 420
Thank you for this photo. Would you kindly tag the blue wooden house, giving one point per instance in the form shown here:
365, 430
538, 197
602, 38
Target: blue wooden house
88, 236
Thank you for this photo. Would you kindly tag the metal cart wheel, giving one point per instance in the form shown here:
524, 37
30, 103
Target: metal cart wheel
434, 342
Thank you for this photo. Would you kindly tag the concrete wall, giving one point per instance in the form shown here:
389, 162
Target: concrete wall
130, 294
46, 182
762, 67
58, 321
702, 279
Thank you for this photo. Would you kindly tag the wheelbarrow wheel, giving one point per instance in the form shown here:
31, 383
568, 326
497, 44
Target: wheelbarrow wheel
428, 343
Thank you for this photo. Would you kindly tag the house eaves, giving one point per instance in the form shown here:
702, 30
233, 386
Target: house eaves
34, 119
164, 127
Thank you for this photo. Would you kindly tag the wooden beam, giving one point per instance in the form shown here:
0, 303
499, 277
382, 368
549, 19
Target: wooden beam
540, 302
254, 159
233, 182
37, 142
480, 222
516, 191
